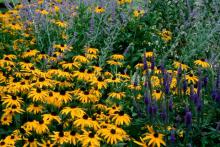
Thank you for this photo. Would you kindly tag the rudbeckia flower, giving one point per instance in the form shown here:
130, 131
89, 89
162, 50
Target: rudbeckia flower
73, 111
177, 65
157, 94
84, 121
121, 118
191, 78
202, 62
59, 137
155, 138
99, 9
89, 139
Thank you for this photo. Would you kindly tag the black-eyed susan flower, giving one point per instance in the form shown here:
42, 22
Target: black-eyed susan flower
117, 57
30, 141
138, 13
80, 59
48, 118
84, 121
87, 97
100, 82
90, 139
6, 119
177, 65
60, 137
61, 24
202, 62
11, 100
155, 138
191, 78
114, 63
37, 94
157, 94
45, 143
73, 137
166, 35
121, 118
99, 9
41, 127
35, 108
75, 112
117, 95
141, 143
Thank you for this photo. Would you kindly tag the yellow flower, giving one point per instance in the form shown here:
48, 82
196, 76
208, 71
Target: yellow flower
142, 143
166, 35
155, 138
35, 108
177, 65
89, 139
149, 54
117, 95
157, 94
80, 59
61, 24
117, 57
59, 137
121, 118
115, 63
138, 13
202, 62
99, 9
92, 50
73, 111
191, 78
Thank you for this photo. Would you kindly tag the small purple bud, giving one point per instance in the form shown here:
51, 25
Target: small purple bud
216, 95
162, 68
146, 100
184, 86
188, 119
199, 106
152, 63
179, 71
171, 104
145, 61
154, 109
199, 85
172, 137
205, 81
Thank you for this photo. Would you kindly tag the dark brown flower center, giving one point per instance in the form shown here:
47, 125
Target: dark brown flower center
50, 93
31, 139
14, 97
61, 134
91, 135
23, 83
38, 90
14, 107
85, 116
73, 133
41, 122
121, 113
62, 92
41, 79
156, 135
113, 131
157, 91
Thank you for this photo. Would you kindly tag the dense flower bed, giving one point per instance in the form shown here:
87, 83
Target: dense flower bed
68, 77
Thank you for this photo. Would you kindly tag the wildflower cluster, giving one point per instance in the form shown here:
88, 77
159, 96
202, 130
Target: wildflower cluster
59, 89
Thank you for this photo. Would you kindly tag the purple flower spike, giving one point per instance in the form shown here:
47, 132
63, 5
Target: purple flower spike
188, 119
